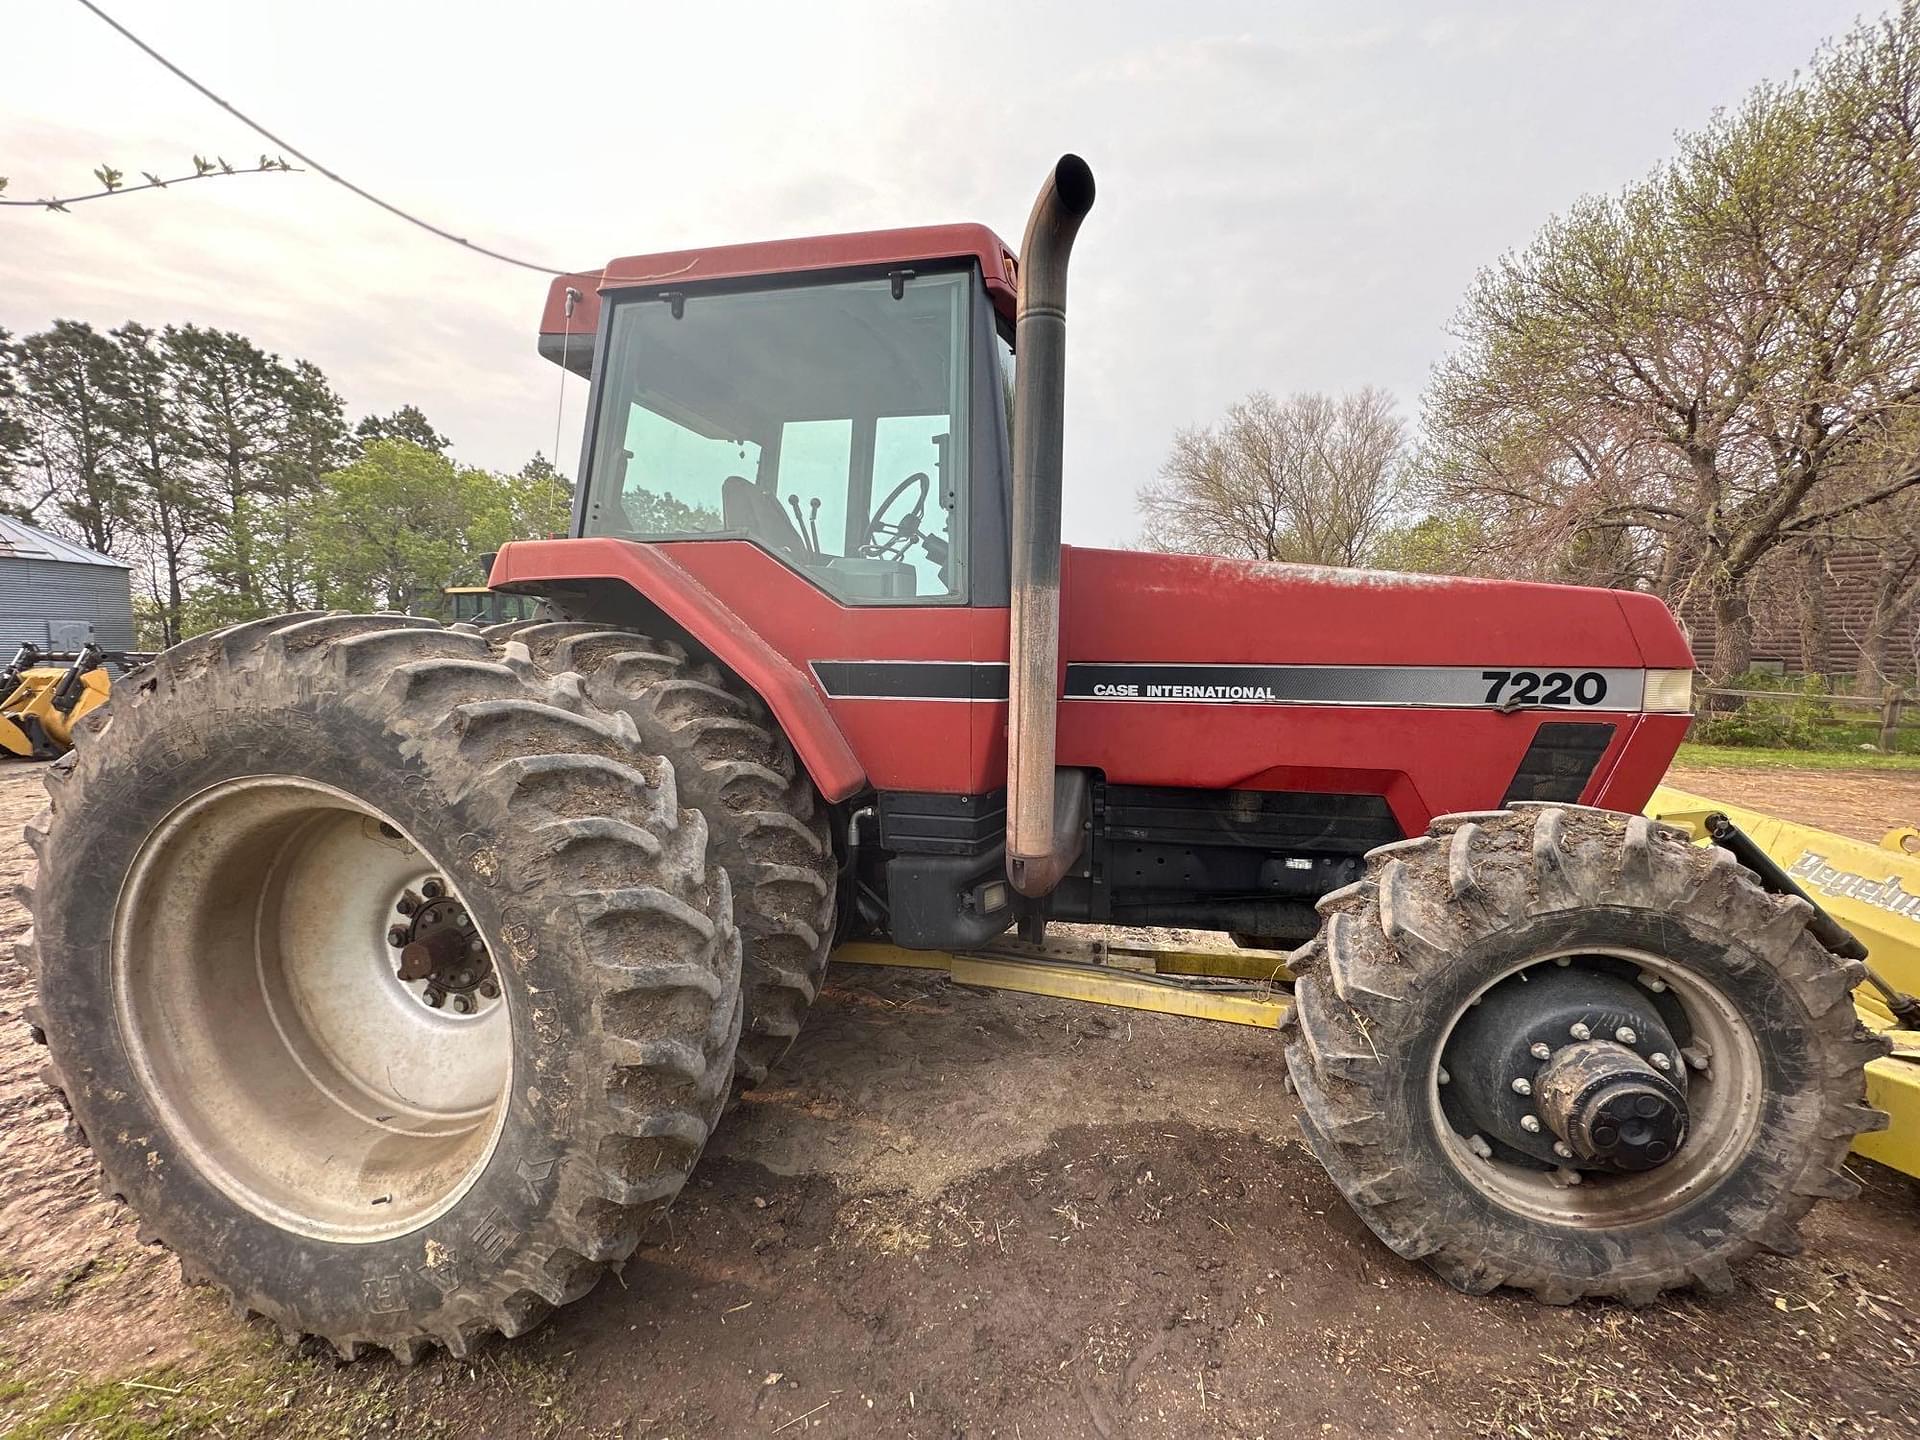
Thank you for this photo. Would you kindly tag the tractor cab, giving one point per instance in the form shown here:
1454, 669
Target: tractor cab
812, 462
840, 408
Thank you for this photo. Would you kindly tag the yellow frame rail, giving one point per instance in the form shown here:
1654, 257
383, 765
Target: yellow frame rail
1169, 980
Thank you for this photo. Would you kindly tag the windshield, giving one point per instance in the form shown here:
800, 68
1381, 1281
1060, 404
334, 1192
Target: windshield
825, 423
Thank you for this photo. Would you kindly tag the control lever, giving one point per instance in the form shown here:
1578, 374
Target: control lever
800, 523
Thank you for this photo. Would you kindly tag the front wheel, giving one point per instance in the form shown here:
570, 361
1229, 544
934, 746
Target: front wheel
1567, 1051
386, 977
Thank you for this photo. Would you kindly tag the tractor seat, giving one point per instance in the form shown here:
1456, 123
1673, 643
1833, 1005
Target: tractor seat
745, 506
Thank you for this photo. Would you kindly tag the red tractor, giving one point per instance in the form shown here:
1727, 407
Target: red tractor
397, 973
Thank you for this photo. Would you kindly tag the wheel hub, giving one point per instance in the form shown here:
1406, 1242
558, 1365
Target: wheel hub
1610, 1107
1568, 1067
441, 958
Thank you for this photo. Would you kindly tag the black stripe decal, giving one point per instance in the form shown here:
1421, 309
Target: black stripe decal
1408, 686
1400, 686
912, 679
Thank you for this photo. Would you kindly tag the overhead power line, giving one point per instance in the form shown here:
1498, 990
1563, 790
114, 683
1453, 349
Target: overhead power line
295, 151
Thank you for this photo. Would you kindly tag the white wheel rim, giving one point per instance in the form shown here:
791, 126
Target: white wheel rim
257, 991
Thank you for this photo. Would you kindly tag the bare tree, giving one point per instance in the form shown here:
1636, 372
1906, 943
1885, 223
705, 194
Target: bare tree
1889, 530
1313, 478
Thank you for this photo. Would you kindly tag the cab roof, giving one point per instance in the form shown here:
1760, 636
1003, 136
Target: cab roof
572, 336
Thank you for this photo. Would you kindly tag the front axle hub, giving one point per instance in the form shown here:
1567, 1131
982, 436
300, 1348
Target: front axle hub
1569, 1066
1611, 1107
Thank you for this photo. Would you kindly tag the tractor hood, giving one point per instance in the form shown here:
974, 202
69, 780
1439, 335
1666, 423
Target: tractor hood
1437, 693
1140, 607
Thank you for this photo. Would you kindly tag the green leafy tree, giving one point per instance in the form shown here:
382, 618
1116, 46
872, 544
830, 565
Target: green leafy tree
1665, 383
407, 423
166, 494
539, 502
1433, 545
395, 527
13, 427
66, 378
265, 433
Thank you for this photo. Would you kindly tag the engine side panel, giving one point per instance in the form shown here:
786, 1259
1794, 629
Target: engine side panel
1344, 682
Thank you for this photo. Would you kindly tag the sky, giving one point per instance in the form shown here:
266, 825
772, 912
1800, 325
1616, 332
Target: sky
1292, 196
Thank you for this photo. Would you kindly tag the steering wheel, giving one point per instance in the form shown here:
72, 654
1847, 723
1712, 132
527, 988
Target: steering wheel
891, 539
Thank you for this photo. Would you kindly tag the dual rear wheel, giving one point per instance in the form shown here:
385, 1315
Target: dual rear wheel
395, 973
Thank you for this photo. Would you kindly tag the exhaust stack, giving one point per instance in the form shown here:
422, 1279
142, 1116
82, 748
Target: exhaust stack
1045, 811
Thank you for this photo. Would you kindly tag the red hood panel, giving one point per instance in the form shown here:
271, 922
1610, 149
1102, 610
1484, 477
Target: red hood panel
1145, 607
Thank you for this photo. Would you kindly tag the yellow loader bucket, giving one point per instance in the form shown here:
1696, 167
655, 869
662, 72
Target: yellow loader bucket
1873, 890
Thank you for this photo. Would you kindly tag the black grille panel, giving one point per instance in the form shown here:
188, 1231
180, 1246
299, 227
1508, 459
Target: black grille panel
1559, 762
1262, 819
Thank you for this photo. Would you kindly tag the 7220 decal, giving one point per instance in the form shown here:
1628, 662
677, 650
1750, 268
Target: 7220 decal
1512, 688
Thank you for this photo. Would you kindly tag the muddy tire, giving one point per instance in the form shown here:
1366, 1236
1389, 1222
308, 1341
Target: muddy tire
1519, 918
297, 806
769, 828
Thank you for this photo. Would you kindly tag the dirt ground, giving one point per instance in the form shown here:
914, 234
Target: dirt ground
1862, 803
961, 1213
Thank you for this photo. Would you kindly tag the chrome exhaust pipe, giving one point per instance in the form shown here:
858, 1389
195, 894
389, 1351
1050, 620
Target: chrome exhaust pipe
1043, 829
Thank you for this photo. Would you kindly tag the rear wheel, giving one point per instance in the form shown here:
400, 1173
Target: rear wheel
418, 997
769, 828
1568, 1051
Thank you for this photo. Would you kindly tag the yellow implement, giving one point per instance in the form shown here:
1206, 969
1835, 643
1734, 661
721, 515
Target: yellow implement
39, 703
1873, 890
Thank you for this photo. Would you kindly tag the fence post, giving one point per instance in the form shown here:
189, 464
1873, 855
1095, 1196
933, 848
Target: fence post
1890, 718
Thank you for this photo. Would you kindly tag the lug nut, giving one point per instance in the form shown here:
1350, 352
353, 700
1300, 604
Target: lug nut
1652, 981
1444, 1077
1522, 1085
463, 1004
1579, 1031
432, 890
1530, 1124
397, 936
1696, 1056
1563, 961
1540, 1050
1625, 1035
435, 998
476, 946
1478, 1144
1563, 1150
407, 905
1568, 1177
489, 988
1659, 1060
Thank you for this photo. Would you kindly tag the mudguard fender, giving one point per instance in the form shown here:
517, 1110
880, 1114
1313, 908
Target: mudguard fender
536, 565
